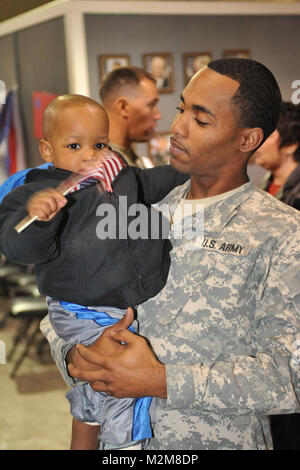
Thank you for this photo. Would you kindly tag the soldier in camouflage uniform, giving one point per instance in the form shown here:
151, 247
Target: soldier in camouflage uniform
225, 328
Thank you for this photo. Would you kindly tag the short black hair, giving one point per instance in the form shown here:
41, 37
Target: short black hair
121, 77
258, 98
289, 126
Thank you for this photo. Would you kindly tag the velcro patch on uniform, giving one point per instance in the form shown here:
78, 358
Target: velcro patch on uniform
291, 278
289, 285
226, 247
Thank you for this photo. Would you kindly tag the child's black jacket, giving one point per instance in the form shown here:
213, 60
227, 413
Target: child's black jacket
71, 262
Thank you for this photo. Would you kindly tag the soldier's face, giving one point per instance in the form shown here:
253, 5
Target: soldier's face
205, 132
143, 112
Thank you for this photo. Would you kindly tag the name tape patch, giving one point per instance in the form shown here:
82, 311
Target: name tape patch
236, 248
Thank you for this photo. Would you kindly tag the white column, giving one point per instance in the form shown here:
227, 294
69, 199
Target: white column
76, 52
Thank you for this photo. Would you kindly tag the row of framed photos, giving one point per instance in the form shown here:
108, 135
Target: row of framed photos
161, 65
158, 148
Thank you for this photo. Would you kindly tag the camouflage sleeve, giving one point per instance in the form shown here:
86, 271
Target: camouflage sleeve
59, 349
267, 381
157, 182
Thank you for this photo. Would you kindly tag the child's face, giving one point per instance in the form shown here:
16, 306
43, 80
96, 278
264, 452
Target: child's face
79, 134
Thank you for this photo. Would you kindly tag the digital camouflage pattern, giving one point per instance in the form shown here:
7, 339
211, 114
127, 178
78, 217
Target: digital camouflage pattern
225, 325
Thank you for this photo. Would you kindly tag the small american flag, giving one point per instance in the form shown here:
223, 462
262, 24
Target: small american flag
105, 174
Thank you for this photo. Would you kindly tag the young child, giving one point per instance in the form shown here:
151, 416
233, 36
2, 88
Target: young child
89, 279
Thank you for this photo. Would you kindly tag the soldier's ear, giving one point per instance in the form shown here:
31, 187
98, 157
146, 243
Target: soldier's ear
250, 139
122, 105
46, 150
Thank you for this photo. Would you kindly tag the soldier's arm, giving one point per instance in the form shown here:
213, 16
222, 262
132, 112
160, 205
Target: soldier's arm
267, 381
155, 183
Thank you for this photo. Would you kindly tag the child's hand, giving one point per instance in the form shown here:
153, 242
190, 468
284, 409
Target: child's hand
45, 204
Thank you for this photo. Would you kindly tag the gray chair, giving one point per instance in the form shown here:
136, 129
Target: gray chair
6, 271
20, 284
17, 281
29, 310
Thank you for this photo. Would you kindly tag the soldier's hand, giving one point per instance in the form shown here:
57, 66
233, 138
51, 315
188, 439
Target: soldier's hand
45, 204
131, 371
103, 345
77, 361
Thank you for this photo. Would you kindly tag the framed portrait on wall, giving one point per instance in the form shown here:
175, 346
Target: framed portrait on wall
158, 148
237, 53
194, 61
109, 62
162, 68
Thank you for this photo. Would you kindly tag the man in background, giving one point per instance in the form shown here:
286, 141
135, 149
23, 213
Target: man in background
130, 97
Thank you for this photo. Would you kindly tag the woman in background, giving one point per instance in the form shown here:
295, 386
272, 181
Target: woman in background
280, 155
